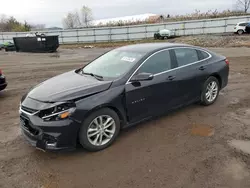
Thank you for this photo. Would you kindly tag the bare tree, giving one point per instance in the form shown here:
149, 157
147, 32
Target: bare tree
86, 16
243, 5
3, 22
72, 20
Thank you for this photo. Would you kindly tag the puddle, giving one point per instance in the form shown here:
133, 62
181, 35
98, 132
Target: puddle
242, 145
202, 130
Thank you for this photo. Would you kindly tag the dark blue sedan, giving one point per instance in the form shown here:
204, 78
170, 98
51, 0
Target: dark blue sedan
122, 87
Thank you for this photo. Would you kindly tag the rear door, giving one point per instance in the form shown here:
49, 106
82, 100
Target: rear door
190, 74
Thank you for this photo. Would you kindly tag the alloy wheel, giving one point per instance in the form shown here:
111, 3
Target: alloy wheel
101, 130
211, 91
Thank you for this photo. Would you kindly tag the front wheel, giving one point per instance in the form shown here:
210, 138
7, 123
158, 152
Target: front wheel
210, 91
99, 130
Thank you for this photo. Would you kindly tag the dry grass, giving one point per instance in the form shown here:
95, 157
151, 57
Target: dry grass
197, 15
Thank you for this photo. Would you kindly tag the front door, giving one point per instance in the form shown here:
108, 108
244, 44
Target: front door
149, 98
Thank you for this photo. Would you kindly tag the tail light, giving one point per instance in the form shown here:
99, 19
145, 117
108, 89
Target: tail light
227, 61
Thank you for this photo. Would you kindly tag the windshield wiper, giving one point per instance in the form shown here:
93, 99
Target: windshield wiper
98, 77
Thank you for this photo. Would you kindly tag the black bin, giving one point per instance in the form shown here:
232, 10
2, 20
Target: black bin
38, 44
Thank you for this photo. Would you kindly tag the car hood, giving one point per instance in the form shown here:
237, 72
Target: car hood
68, 86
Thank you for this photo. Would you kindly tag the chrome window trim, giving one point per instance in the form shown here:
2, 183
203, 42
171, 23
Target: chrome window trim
128, 81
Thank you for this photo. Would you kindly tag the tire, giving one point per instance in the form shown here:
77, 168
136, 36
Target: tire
240, 32
207, 99
155, 36
93, 143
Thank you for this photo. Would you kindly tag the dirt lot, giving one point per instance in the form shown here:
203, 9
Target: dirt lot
212, 40
187, 148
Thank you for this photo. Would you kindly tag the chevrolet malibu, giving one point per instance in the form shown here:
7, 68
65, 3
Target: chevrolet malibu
120, 88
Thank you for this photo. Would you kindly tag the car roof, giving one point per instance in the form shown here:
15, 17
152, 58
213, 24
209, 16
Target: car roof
243, 22
151, 47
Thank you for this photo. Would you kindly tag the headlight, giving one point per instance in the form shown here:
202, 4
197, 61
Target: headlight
58, 112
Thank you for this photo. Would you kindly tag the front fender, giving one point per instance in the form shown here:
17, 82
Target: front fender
113, 98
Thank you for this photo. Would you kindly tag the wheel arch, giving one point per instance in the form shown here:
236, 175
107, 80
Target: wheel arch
121, 115
218, 77
240, 30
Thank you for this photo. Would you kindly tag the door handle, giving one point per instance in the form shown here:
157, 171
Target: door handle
202, 68
171, 77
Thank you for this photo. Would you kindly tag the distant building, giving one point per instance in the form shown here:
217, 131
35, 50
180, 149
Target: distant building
129, 19
47, 29
53, 28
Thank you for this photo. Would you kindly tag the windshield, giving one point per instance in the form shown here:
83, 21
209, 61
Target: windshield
113, 64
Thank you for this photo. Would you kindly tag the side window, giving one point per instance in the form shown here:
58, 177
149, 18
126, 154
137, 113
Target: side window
202, 55
185, 56
157, 63
243, 24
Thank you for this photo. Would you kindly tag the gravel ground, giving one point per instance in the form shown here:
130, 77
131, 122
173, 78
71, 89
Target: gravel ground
212, 40
187, 148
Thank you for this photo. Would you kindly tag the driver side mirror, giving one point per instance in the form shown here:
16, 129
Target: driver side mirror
142, 77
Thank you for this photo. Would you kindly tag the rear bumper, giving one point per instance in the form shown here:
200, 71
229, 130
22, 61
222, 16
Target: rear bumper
224, 76
50, 136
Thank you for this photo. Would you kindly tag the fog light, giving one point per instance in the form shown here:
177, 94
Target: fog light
51, 144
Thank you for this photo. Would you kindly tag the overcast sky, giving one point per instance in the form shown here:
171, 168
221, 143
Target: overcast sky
51, 12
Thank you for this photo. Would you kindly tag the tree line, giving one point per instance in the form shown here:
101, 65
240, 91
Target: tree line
11, 24
84, 17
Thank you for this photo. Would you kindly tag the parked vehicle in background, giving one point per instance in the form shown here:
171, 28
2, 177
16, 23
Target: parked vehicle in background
3, 83
1, 46
248, 28
240, 28
124, 86
164, 33
9, 46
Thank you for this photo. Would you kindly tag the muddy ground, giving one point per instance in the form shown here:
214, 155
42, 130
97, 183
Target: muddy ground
187, 148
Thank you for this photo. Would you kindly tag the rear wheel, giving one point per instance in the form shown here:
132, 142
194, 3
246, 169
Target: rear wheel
210, 91
240, 32
99, 130
155, 36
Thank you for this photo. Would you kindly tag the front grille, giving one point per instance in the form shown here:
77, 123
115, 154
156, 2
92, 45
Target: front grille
25, 123
29, 110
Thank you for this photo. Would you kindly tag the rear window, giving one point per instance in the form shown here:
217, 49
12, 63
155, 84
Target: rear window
185, 56
202, 55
